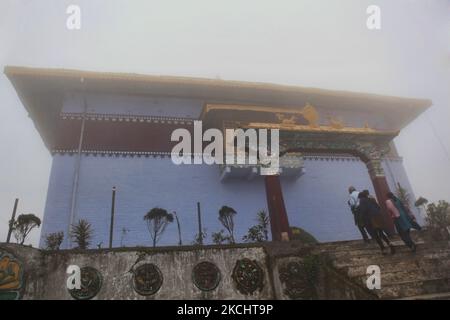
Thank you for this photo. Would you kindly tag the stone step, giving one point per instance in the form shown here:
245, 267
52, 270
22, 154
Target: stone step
420, 275
362, 247
399, 248
407, 275
380, 259
408, 265
413, 288
431, 296
359, 244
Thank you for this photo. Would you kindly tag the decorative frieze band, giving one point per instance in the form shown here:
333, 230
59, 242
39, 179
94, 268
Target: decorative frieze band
111, 153
125, 118
329, 157
341, 157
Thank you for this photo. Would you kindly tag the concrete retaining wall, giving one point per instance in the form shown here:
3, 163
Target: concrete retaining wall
279, 265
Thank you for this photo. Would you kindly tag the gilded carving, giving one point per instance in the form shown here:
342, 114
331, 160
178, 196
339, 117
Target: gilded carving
311, 115
336, 123
285, 120
11, 274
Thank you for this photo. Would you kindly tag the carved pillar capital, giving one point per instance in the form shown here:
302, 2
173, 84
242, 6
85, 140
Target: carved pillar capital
373, 155
375, 168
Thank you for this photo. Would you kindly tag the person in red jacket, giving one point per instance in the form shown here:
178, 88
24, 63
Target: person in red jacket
403, 223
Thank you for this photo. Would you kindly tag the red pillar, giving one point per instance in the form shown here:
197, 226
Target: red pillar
279, 223
381, 188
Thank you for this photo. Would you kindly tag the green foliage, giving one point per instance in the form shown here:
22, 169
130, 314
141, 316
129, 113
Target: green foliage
226, 217
311, 268
53, 240
403, 195
157, 220
220, 237
81, 233
302, 235
23, 226
438, 220
259, 232
199, 238
438, 215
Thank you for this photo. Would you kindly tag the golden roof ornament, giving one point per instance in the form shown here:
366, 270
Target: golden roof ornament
286, 120
336, 123
311, 115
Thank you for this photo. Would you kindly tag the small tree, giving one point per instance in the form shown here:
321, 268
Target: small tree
199, 238
220, 237
53, 240
259, 232
438, 218
157, 220
226, 215
81, 233
23, 226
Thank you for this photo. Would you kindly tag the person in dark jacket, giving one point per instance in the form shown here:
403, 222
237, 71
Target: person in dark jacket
353, 203
371, 213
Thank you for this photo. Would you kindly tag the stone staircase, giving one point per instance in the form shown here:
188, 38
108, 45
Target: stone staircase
404, 275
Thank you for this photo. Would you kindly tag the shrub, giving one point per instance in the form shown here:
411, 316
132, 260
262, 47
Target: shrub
259, 232
301, 235
438, 219
53, 240
81, 233
220, 237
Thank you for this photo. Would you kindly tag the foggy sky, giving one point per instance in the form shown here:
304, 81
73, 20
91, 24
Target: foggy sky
314, 43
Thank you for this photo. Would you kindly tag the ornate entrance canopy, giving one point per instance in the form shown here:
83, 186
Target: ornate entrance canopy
301, 132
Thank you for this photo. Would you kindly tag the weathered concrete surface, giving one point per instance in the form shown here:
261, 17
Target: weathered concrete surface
339, 269
46, 271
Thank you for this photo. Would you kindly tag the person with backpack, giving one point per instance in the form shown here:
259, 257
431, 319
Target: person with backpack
371, 213
353, 203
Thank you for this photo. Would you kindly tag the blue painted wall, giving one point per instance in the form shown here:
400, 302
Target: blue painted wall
317, 201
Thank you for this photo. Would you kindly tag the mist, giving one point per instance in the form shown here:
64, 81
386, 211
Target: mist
317, 43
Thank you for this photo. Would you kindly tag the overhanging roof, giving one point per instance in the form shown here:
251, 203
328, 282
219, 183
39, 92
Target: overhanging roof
42, 90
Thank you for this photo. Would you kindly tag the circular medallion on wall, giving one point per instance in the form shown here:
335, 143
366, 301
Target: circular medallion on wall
248, 276
91, 283
206, 276
147, 279
292, 275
